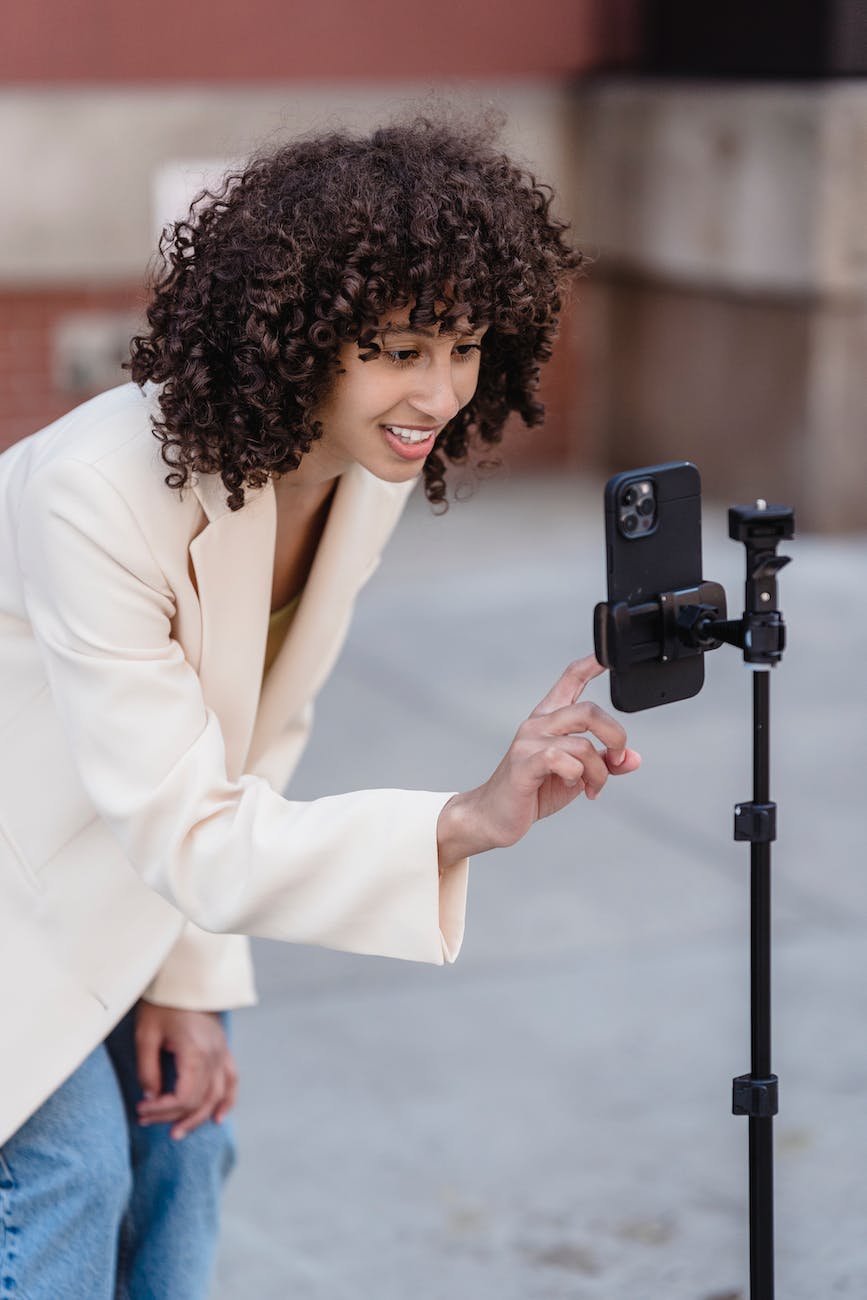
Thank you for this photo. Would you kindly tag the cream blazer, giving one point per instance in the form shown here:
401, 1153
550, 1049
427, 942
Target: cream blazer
142, 828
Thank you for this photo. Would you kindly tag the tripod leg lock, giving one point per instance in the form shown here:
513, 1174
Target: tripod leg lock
756, 822
758, 1098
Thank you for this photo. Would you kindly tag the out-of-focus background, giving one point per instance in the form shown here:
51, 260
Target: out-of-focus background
548, 1119
712, 163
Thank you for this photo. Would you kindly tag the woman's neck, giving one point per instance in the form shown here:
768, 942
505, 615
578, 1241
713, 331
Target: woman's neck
302, 513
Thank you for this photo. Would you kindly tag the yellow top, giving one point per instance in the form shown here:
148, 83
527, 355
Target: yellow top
278, 628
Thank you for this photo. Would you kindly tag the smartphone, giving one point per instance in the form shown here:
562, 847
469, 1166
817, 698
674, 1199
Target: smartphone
653, 545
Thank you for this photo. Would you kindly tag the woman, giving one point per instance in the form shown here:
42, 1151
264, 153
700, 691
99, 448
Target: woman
347, 316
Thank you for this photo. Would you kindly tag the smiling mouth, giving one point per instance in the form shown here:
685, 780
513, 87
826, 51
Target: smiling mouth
409, 436
408, 443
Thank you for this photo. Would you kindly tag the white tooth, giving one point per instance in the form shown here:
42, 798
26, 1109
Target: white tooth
409, 435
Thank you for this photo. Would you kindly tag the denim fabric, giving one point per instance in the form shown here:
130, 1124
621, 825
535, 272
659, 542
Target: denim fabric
95, 1207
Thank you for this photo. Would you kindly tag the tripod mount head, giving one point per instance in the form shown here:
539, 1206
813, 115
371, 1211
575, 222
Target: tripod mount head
761, 632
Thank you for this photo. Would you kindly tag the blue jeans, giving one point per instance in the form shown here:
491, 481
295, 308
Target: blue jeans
95, 1207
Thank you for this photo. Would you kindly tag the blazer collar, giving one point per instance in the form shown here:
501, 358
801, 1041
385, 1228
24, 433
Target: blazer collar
211, 493
362, 516
233, 560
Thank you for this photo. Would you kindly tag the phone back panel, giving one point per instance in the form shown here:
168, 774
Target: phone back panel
641, 567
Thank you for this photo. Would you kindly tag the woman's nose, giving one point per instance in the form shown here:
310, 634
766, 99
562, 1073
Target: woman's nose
435, 395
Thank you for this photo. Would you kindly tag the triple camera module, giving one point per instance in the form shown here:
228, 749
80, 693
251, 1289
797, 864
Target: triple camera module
636, 508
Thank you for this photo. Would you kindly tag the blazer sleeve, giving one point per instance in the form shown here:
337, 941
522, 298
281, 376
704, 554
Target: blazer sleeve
355, 871
214, 972
205, 972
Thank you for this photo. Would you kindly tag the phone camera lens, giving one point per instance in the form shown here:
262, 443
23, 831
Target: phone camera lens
646, 507
630, 523
630, 496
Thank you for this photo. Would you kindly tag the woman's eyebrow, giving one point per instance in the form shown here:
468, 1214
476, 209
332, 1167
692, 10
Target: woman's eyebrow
427, 331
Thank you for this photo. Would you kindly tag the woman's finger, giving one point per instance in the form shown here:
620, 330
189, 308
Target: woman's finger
569, 686
202, 1113
596, 771
571, 771
230, 1094
168, 1111
229, 1099
584, 761
147, 1059
630, 762
195, 1074
193, 1083
584, 718
555, 760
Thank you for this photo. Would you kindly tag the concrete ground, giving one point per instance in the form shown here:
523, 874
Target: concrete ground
550, 1117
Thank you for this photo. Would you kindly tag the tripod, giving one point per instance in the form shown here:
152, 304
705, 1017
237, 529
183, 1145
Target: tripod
693, 621
761, 634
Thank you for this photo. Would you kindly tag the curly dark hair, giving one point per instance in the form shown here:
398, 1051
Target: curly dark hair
307, 248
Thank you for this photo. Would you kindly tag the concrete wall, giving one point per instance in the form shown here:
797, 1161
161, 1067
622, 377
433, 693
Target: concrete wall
729, 299
85, 160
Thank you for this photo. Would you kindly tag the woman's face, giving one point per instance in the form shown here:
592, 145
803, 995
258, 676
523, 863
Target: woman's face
385, 413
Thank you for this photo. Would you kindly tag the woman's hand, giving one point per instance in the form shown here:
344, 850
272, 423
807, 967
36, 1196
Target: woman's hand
206, 1081
550, 762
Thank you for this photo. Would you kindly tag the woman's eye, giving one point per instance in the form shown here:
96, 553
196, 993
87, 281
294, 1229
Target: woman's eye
408, 356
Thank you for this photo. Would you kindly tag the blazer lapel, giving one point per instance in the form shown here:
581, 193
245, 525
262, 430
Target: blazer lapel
233, 561
361, 517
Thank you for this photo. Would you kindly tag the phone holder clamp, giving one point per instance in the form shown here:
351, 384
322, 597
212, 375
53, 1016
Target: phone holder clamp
671, 625
690, 621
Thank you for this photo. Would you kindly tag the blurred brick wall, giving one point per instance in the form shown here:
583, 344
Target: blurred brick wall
30, 395
32, 392
561, 442
289, 41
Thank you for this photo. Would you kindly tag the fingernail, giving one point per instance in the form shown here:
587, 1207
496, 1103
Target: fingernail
148, 1095
621, 759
